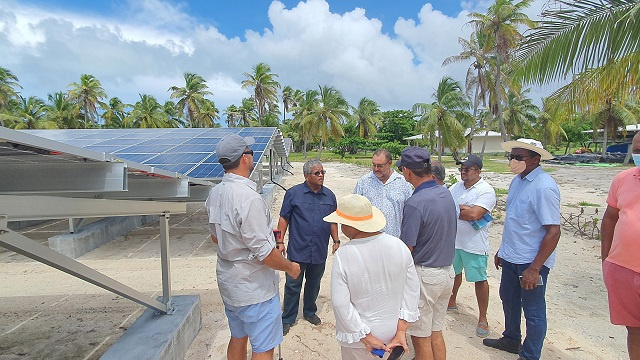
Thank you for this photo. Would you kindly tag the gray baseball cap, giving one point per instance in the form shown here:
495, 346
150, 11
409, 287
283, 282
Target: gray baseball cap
231, 147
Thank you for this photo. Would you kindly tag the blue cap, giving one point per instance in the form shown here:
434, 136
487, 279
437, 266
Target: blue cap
414, 157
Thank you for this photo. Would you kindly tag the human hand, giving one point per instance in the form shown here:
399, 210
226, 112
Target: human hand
529, 279
294, 271
335, 247
496, 261
371, 342
400, 339
280, 246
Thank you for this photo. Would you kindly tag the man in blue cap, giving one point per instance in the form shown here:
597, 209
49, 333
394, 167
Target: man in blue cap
429, 230
240, 223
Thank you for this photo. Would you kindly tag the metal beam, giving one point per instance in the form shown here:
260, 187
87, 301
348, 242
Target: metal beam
18, 208
63, 177
165, 259
29, 248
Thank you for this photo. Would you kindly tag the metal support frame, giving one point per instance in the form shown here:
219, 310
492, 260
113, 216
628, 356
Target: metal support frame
165, 259
29, 248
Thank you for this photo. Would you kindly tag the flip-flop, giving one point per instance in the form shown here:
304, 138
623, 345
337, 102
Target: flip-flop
452, 308
482, 330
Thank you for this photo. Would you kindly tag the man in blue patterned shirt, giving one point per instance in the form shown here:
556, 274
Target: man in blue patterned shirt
386, 189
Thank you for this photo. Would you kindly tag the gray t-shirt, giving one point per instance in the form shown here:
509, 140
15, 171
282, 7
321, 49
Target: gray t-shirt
429, 225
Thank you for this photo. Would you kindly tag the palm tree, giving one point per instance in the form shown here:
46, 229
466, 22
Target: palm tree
31, 114
367, 117
247, 112
208, 114
611, 116
290, 99
548, 127
62, 111
520, 113
327, 117
231, 112
174, 117
474, 49
114, 113
8, 87
191, 96
444, 115
500, 24
265, 88
147, 113
87, 95
303, 111
595, 40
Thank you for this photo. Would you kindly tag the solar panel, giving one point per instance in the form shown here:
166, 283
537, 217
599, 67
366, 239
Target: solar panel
188, 151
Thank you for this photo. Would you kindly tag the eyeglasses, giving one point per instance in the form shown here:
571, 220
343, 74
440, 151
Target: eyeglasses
465, 170
518, 157
318, 173
248, 152
378, 166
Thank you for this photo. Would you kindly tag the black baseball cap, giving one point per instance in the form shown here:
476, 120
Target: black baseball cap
471, 160
414, 157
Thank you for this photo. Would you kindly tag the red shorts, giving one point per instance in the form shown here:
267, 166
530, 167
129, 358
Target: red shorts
623, 287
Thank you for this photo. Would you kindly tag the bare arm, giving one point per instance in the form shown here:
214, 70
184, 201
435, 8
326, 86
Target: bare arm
214, 239
334, 236
548, 245
471, 213
276, 261
609, 221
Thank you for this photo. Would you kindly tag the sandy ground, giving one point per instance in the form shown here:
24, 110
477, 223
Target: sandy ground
48, 314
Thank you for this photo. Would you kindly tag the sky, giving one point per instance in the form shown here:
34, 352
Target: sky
388, 51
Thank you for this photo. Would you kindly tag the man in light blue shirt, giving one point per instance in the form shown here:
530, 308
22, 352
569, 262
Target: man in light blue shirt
386, 189
527, 253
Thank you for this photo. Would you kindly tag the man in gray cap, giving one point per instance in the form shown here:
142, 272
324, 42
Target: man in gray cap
429, 230
240, 223
475, 199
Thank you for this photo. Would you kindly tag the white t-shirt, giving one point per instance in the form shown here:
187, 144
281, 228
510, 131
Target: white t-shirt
480, 194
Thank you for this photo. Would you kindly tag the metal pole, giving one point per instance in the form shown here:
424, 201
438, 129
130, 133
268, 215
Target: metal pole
165, 260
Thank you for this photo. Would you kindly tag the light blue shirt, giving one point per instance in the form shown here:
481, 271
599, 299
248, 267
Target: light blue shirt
388, 197
532, 202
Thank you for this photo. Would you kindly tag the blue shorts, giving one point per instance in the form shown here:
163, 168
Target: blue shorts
262, 322
474, 265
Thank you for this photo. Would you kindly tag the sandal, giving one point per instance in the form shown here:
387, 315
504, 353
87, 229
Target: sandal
482, 330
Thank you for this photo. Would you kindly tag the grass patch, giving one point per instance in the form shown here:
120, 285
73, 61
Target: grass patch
501, 191
586, 203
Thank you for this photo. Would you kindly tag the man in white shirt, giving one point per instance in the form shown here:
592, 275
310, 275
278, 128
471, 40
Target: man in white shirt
374, 284
240, 223
475, 199
386, 189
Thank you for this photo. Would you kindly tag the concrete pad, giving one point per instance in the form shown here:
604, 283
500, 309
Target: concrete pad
160, 337
96, 234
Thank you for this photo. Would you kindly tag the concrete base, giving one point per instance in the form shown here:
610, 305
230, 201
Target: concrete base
96, 234
160, 337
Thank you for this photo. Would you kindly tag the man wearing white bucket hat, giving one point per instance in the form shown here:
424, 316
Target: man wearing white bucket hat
527, 253
374, 285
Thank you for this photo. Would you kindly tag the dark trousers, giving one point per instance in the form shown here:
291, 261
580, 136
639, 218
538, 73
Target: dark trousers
312, 273
515, 299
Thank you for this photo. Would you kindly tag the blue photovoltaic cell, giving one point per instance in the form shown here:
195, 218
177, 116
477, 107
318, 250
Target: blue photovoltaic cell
188, 151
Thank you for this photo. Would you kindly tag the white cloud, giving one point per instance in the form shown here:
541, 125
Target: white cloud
307, 46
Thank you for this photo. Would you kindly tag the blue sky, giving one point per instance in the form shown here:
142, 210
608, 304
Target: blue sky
388, 51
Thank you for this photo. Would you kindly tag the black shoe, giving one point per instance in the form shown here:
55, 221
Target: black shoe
285, 329
503, 344
314, 319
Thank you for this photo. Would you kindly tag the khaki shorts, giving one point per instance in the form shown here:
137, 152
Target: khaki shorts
436, 285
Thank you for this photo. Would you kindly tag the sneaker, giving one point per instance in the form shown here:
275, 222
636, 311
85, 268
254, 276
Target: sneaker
314, 319
285, 329
503, 344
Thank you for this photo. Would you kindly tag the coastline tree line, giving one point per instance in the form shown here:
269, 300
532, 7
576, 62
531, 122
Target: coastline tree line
597, 43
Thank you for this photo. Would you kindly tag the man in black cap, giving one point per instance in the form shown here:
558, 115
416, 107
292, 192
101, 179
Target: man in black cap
475, 199
429, 230
240, 223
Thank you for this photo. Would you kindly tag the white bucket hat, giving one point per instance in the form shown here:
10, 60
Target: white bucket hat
529, 144
356, 211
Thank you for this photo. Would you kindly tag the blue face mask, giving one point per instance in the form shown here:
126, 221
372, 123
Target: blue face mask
636, 159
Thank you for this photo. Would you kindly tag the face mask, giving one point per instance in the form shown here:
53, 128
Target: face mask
636, 159
517, 167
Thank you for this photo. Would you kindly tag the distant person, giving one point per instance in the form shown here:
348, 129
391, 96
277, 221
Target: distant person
240, 223
527, 252
475, 198
386, 189
439, 172
429, 230
621, 251
374, 285
303, 208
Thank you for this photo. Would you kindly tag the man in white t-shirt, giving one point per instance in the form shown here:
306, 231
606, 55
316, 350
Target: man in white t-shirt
475, 199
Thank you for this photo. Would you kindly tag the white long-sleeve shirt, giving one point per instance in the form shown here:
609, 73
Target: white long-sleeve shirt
373, 284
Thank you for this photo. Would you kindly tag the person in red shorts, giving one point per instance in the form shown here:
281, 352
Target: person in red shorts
621, 251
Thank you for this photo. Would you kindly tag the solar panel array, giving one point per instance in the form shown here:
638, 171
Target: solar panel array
189, 151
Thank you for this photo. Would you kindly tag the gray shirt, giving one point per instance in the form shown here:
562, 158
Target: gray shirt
241, 221
429, 225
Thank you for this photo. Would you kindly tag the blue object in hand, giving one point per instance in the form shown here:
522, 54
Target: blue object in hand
378, 352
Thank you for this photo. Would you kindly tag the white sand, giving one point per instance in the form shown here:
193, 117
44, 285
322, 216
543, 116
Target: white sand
47, 314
